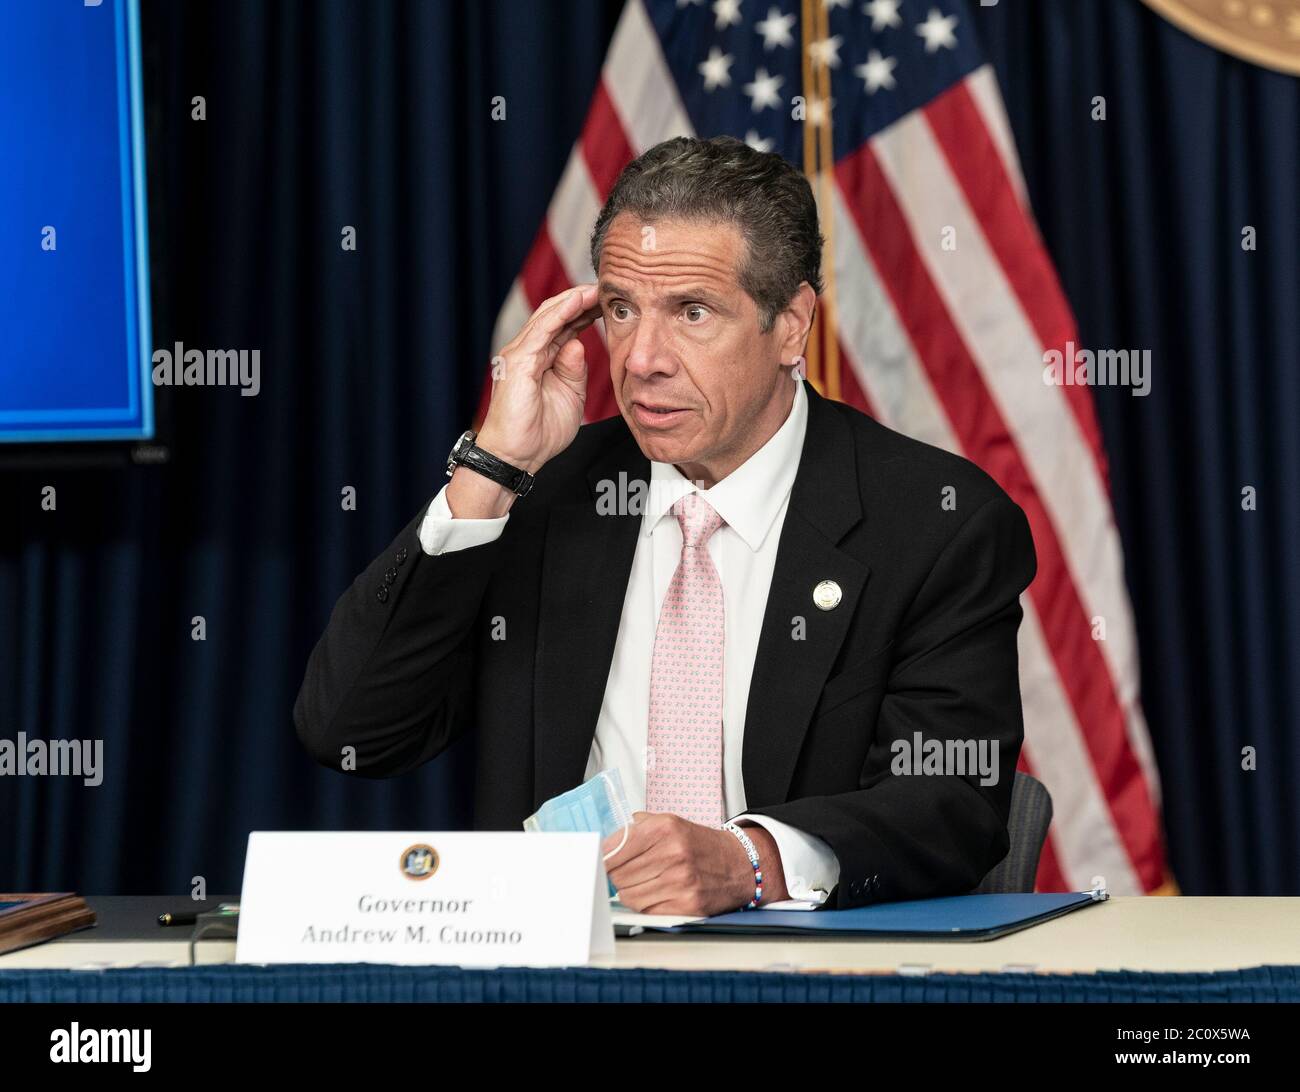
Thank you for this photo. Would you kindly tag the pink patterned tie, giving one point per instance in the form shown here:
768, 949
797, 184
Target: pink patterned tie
684, 760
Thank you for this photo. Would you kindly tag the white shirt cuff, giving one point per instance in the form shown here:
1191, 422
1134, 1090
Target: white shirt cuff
811, 868
443, 533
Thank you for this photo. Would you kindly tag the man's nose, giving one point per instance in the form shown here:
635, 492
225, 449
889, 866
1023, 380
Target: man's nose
647, 352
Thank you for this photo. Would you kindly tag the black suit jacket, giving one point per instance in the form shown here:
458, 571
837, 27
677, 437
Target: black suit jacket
923, 640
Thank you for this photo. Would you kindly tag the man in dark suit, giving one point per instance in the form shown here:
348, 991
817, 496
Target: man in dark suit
831, 603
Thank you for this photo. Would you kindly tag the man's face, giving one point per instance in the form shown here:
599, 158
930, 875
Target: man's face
694, 376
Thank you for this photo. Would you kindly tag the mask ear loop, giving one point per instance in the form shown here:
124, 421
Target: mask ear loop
619, 847
627, 825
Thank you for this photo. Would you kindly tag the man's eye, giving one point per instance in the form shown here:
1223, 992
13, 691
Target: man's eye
695, 313
619, 311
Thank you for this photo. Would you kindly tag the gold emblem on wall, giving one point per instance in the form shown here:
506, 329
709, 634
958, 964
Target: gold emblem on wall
1265, 32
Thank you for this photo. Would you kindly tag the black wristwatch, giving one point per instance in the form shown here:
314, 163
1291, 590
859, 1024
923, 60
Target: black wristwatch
465, 453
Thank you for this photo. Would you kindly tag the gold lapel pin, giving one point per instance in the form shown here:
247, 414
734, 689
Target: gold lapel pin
827, 595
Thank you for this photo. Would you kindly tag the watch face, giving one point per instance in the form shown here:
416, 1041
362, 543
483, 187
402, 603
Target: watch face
465, 442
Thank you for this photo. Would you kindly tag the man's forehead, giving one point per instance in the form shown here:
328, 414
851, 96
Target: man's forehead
668, 252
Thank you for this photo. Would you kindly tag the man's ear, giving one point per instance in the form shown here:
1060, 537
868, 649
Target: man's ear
795, 322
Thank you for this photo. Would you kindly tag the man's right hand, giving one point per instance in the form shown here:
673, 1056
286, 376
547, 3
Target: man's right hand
539, 392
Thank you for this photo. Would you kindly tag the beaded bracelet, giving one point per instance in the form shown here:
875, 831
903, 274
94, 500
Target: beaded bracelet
752, 853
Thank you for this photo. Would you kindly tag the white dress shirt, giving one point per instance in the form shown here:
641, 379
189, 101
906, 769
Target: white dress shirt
752, 500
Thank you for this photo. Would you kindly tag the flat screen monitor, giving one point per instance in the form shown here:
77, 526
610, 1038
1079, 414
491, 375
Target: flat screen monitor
74, 305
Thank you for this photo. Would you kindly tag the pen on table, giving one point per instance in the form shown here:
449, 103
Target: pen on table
179, 917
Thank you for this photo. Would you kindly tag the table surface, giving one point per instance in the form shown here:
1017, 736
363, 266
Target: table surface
1132, 934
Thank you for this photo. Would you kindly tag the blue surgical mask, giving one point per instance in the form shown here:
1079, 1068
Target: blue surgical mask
598, 804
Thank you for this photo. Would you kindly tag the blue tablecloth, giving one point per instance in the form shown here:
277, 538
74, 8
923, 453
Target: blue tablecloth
371, 983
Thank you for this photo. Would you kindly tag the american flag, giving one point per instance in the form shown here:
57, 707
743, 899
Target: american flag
940, 304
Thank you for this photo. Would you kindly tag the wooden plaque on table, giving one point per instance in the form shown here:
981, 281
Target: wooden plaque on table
32, 918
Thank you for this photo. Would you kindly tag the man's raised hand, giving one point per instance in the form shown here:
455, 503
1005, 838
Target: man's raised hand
539, 388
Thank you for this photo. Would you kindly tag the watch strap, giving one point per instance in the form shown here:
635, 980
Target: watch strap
514, 478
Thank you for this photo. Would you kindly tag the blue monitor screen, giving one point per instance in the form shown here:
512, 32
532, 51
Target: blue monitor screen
74, 303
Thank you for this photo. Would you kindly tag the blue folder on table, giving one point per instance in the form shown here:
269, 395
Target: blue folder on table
961, 917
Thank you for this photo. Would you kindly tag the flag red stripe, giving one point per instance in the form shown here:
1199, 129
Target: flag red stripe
604, 142
986, 439
975, 162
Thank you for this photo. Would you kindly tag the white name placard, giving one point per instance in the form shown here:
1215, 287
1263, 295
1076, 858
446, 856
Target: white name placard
470, 899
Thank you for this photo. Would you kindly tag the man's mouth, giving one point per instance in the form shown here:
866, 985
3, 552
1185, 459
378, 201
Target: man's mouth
653, 415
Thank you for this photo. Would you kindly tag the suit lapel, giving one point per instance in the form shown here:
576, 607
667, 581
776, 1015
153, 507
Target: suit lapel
825, 504
585, 570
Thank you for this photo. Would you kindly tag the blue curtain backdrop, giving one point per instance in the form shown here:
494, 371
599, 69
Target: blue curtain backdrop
376, 115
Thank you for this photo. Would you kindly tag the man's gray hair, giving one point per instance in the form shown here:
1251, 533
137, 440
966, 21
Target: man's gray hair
725, 180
